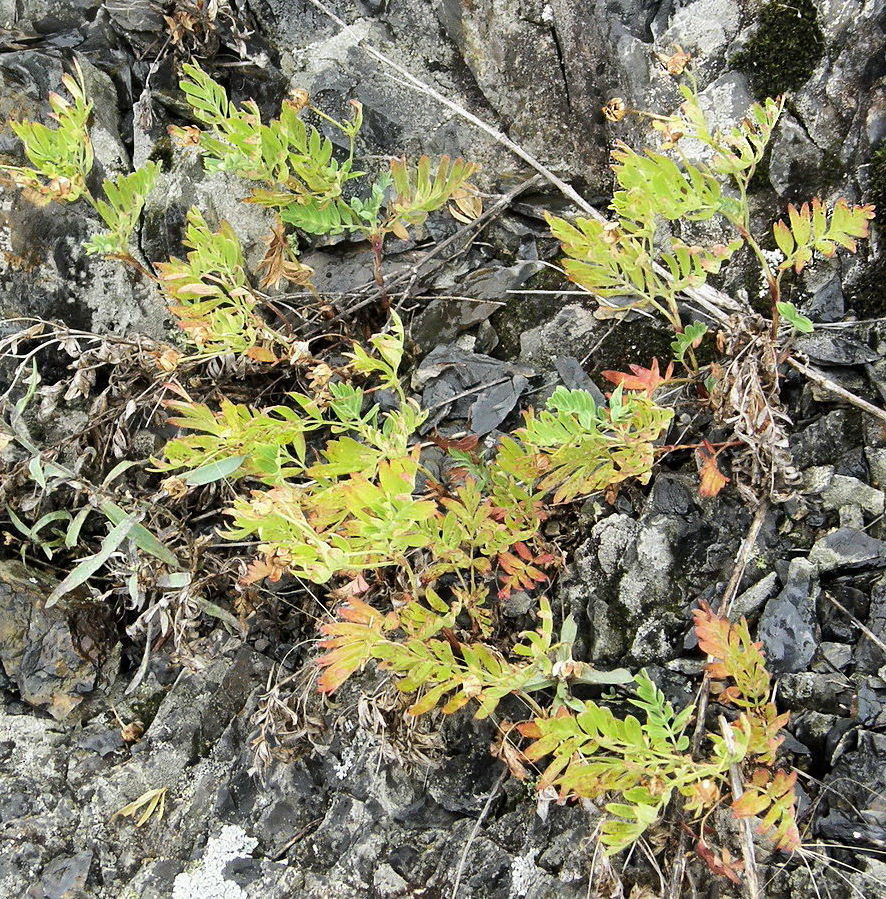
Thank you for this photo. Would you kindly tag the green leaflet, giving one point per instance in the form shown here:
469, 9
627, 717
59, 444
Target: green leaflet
811, 229
595, 753
62, 156
122, 209
285, 152
87, 567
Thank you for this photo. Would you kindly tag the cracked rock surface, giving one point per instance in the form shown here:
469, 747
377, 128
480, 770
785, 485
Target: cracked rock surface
344, 810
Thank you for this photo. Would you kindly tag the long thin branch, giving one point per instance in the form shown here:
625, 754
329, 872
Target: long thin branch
833, 387
751, 874
743, 557
860, 625
716, 303
417, 85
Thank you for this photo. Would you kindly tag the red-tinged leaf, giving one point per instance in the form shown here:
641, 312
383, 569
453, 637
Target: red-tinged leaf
353, 588
333, 677
508, 561
518, 572
464, 444
176, 388
359, 612
717, 670
260, 569
529, 729
749, 804
712, 631
523, 551
712, 480
647, 379
719, 865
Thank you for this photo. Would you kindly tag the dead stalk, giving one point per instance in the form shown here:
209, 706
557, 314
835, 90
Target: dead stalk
751, 881
474, 831
675, 887
865, 630
832, 387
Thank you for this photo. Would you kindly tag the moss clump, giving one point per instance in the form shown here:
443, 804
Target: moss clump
865, 296
526, 311
877, 184
785, 48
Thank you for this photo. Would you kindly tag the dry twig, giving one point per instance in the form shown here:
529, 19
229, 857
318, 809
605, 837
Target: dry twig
485, 811
833, 387
741, 563
751, 875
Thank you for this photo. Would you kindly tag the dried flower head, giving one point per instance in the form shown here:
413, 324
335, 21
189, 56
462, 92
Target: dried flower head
298, 98
615, 110
675, 63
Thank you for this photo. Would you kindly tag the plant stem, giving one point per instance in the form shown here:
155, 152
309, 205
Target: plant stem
376, 241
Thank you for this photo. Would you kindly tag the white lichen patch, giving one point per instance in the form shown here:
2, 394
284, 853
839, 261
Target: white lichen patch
523, 873
206, 880
343, 767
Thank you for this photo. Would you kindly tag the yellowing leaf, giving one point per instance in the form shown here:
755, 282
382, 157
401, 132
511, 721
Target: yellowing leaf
149, 803
712, 480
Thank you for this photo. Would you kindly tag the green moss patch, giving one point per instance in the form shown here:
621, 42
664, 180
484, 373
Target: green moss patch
785, 48
877, 188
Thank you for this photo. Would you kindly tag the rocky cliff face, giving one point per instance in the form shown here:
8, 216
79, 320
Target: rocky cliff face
348, 805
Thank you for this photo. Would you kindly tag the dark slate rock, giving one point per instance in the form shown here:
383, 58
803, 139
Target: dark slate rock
869, 657
39, 651
851, 812
787, 625
575, 377
65, 877
834, 348
848, 548
826, 440
461, 384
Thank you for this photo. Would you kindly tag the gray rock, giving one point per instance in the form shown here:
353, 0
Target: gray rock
836, 348
794, 157
836, 491
826, 303
613, 536
824, 441
787, 627
833, 655
571, 332
812, 728
52, 16
869, 656
851, 516
826, 693
833, 106
858, 775
66, 876
533, 71
39, 650
747, 603
647, 579
876, 457
848, 548
704, 27
218, 195
573, 376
